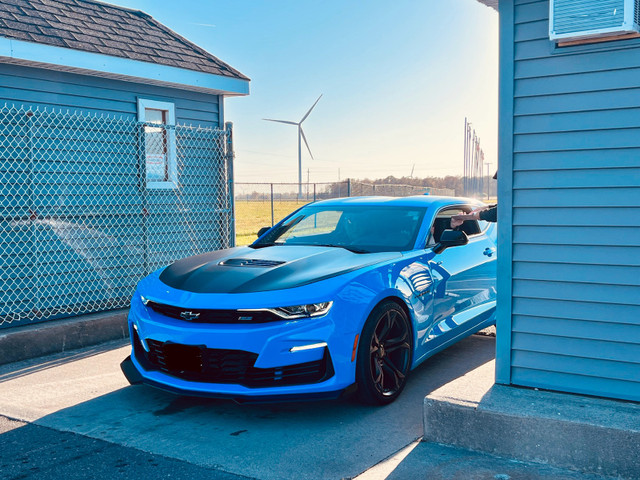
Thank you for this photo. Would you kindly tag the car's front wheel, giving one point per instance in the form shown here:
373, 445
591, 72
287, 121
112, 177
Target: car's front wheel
384, 354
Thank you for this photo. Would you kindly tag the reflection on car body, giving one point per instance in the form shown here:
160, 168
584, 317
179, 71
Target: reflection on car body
341, 293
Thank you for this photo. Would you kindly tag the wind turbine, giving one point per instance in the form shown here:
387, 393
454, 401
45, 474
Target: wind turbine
300, 138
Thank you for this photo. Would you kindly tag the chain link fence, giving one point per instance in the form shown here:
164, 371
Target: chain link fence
259, 205
91, 204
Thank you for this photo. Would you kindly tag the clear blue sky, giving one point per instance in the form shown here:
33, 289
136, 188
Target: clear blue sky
398, 79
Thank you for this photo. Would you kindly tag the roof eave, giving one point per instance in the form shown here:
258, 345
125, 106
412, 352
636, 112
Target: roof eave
95, 64
490, 3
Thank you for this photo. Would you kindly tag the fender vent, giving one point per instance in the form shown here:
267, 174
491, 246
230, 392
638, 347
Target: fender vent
250, 262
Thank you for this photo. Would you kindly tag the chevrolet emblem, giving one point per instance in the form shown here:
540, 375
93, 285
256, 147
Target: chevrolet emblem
188, 316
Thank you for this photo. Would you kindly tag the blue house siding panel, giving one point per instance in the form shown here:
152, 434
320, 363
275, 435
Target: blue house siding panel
578, 102
575, 365
577, 159
535, 30
590, 255
79, 225
623, 118
582, 235
35, 87
578, 82
578, 197
565, 216
577, 383
526, 12
578, 273
584, 178
575, 216
581, 329
577, 292
618, 314
577, 60
626, 353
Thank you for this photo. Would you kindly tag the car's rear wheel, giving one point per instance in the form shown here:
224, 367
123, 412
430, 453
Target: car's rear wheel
384, 354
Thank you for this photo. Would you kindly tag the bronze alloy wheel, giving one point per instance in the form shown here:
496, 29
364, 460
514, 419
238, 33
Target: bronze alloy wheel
384, 354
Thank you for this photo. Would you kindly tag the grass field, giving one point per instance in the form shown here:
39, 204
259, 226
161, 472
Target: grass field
252, 215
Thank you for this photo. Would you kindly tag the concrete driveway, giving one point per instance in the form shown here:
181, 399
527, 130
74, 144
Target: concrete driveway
84, 392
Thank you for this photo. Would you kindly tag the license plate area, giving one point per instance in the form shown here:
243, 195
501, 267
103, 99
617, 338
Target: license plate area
183, 358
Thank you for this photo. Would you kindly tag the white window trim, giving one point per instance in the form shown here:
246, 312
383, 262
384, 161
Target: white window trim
143, 104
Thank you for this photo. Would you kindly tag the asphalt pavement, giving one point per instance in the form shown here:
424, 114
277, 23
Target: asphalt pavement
33, 452
74, 416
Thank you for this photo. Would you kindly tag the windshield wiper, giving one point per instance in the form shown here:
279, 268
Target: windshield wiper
351, 249
262, 245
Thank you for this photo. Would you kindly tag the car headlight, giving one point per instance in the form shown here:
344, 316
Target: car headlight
303, 311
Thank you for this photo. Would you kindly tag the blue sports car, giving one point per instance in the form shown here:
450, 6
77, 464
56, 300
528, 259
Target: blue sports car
341, 295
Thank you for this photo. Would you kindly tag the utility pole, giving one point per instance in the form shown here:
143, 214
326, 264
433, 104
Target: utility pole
488, 178
300, 162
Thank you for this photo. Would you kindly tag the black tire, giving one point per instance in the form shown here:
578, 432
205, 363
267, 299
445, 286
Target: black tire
384, 354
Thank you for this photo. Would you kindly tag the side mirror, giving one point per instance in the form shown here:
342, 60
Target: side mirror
263, 230
451, 238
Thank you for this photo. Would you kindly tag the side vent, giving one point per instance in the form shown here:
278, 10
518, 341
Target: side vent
580, 19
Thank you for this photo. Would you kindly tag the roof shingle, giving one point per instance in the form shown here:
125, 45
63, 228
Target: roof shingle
97, 27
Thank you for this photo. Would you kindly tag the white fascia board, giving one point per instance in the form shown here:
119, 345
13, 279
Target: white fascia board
122, 67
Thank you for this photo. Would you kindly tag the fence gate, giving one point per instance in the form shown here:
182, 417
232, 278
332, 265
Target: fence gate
80, 225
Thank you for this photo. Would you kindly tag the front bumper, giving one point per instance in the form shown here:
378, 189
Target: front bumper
135, 378
243, 362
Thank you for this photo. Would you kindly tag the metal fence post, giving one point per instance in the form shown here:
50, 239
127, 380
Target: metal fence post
348, 187
314, 192
144, 200
33, 214
232, 207
272, 204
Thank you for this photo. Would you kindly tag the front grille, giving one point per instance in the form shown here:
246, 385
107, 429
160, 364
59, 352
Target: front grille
201, 364
200, 315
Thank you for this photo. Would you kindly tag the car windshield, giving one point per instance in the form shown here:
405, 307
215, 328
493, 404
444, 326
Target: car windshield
359, 228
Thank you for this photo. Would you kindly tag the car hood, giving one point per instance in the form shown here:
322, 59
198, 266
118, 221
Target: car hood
245, 270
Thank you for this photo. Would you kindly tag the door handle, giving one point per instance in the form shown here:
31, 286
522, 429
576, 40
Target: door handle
489, 252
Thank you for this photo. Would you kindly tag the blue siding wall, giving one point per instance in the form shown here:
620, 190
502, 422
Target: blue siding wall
575, 217
46, 88
79, 228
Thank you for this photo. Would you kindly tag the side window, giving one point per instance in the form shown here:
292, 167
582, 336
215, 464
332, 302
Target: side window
442, 222
159, 143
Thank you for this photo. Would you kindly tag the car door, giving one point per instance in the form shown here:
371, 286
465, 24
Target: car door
464, 278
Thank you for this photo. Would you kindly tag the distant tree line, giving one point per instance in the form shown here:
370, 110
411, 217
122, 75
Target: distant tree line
363, 187
381, 186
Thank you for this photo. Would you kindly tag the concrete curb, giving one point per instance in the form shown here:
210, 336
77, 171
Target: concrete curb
570, 431
31, 341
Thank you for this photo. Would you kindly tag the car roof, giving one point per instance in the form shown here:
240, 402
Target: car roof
414, 201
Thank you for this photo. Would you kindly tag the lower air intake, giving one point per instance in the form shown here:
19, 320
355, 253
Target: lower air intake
208, 365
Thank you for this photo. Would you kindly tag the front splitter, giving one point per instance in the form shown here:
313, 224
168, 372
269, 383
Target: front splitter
135, 378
